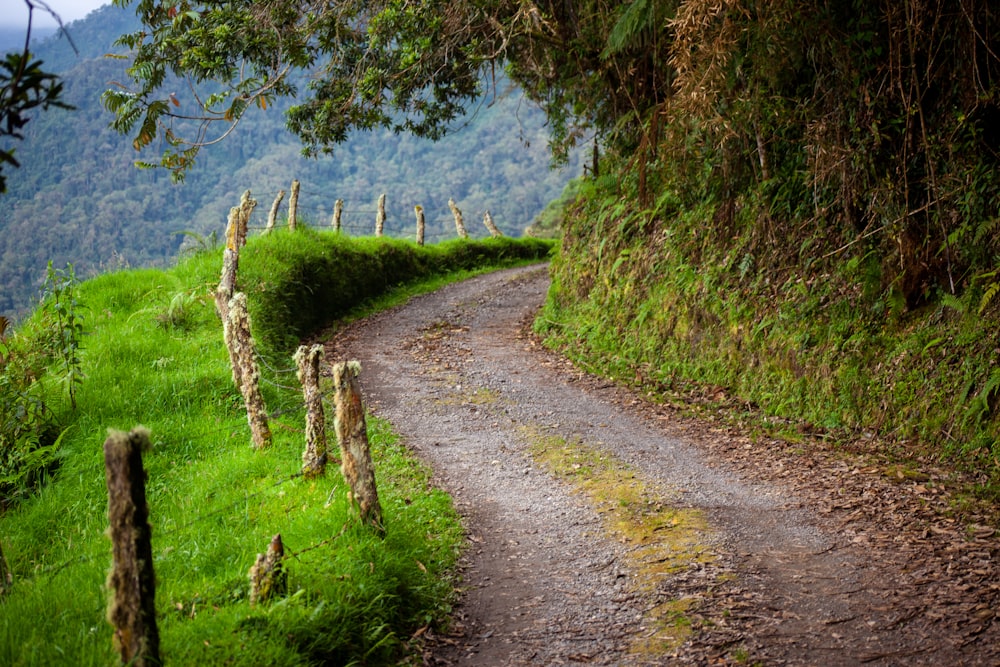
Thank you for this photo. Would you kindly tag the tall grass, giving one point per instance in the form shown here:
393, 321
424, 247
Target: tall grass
152, 353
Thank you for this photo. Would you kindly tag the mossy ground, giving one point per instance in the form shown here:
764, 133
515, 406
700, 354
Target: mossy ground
660, 538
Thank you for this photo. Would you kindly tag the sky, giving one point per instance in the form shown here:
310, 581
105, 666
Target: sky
14, 13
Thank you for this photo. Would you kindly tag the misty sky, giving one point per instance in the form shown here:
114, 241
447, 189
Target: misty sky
14, 13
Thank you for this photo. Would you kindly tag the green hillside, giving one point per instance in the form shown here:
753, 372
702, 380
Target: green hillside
145, 346
801, 227
77, 197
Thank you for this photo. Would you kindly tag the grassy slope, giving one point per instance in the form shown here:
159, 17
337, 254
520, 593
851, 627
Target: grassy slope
810, 347
154, 355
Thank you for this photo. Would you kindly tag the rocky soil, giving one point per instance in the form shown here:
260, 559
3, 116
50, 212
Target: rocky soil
776, 554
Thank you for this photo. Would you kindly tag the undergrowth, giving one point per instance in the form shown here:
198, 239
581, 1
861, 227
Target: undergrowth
150, 352
805, 345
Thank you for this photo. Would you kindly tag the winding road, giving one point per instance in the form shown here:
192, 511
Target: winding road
773, 555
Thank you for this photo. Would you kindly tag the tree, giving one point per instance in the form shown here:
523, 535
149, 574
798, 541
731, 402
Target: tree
24, 86
360, 64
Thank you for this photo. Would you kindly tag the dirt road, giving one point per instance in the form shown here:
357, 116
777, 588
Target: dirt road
606, 530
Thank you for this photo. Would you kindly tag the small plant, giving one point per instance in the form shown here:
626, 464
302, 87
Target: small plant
179, 312
195, 243
60, 308
28, 432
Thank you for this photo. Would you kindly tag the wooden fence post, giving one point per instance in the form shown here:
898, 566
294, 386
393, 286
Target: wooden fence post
6, 576
380, 216
421, 224
268, 578
338, 209
293, 205
132, 611
245, 371
459, 225
236, 238
273, 215
492, 228
352, 434
308, 360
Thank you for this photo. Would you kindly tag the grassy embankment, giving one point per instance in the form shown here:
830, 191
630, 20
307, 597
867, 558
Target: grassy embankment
785, 340
152, 354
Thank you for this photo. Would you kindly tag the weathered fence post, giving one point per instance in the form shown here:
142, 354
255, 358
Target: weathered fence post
273, 215
236, 238
352, 434
132, 611
421, 224
268, 578
338, 209
459, 225
380, 216
245, 371
308, 360
6, 576
492, 228
293, 205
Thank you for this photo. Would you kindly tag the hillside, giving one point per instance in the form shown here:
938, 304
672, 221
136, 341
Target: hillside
803, 235
78, 198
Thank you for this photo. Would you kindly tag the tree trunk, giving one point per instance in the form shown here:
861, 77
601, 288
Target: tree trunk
132, 611
352, 434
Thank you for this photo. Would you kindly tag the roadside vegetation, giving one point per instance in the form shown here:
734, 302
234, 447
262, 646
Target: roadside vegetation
822, 352
145, 347
794, 216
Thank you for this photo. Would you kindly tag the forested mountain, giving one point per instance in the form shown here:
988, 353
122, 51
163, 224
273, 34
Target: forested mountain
78, 197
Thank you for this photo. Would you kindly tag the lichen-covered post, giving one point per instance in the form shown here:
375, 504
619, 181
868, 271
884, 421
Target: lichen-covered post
132, 611
338, 210
308, 360
6, 577
245, 371
272, 217
236, 238
380, 215
459, 225
352, 434
421, 224
268, 578
293, 205
490, 227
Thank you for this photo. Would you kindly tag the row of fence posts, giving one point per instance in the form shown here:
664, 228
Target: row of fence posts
132, 611
338, 209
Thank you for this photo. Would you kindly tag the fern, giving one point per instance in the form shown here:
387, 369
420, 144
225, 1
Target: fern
633, 28
989, 293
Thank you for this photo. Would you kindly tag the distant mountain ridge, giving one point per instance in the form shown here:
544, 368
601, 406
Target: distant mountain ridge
78, 198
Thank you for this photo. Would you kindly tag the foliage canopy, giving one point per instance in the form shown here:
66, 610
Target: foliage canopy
391, 64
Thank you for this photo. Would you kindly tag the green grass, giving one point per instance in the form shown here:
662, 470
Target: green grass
797, 346
153, 355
